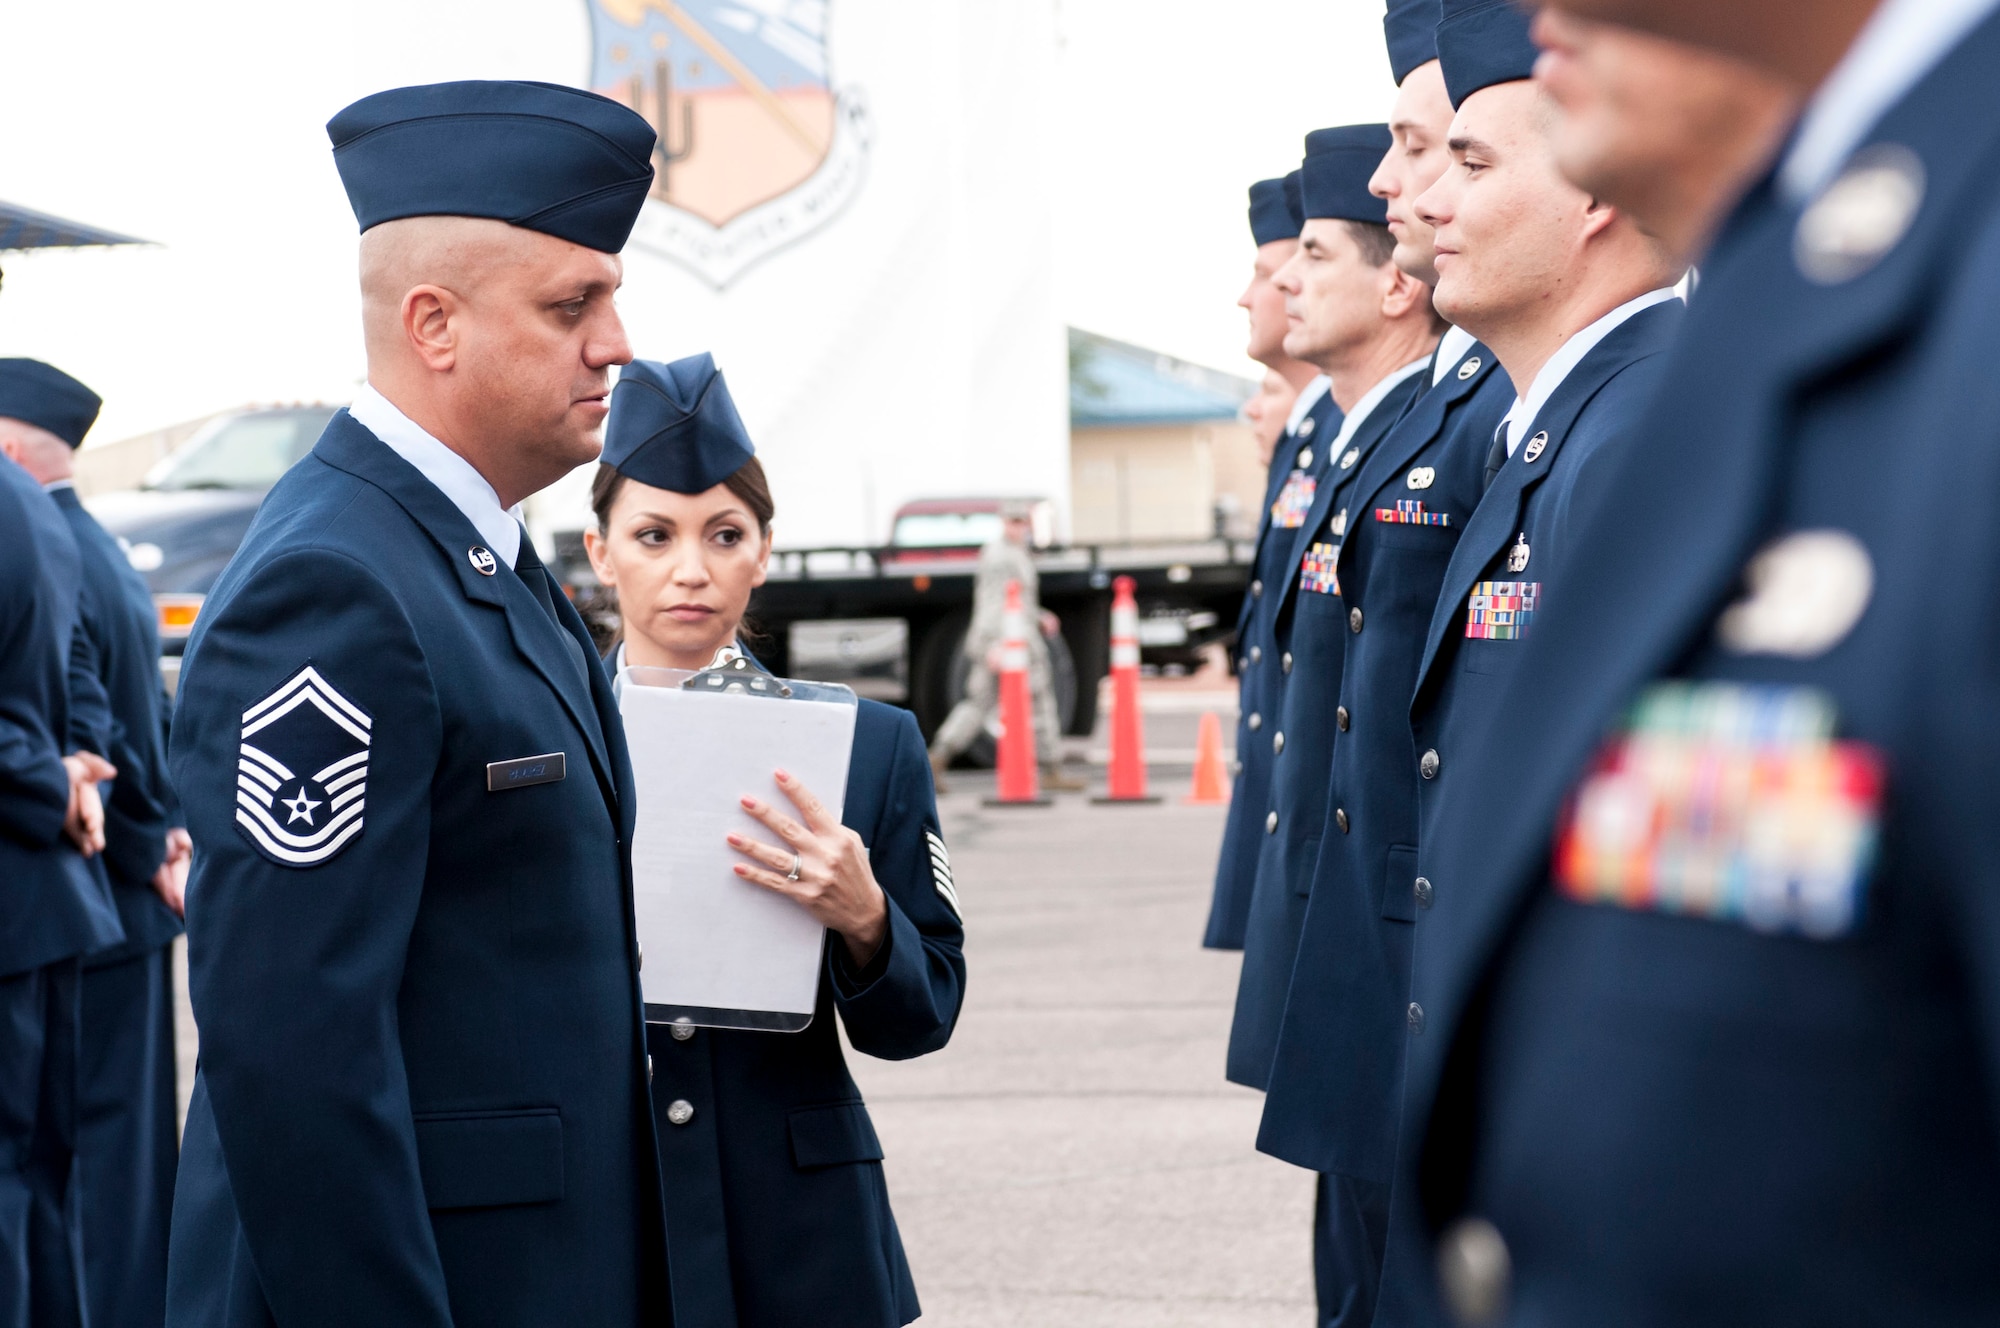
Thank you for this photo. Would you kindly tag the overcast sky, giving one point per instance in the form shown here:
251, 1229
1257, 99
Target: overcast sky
189, 124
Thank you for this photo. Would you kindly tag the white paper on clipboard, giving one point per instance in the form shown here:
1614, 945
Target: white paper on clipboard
723, 952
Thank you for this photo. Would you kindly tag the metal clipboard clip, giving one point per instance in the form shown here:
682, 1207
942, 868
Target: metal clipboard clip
735, 673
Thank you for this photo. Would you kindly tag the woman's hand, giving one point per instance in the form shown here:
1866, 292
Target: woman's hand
833, 879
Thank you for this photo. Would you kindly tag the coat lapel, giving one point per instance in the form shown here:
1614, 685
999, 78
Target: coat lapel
1418, 427
1502, 510
1683, 509
348, 445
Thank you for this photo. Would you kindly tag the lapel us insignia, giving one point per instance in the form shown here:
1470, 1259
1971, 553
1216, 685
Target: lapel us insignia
1469, 368
1422, 477
1517, 557
482, 560
302, 771
1536, 445
1353, 455
1803, 593
941, 873
1306, 427
1861, 216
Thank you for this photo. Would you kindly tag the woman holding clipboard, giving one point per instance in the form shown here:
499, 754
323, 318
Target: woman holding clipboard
777, 1212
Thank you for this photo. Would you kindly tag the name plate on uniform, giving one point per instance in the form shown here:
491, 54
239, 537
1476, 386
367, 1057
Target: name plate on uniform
1731, 802
525, 771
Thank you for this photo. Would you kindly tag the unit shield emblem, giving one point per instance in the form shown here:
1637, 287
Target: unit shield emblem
302, 771
757, 150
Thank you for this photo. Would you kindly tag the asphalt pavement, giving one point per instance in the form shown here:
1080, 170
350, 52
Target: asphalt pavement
1075, 1156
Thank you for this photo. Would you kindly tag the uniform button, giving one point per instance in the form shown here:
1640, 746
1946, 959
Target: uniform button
1340, 720
1354, 620
1416, 1017
1242, 663
681, 1029
1340, 818
1474, 1271
1256, 654
680, 1111
1256, 589
1285, 662
1270, 823
1422, 890
1427, 764
1277, 743
1256, 721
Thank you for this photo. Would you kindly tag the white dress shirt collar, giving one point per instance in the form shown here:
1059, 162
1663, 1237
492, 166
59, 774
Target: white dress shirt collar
1901, 43
453, 475
1451, 349
1568, 356
1366, 406
53, 485
1308, 397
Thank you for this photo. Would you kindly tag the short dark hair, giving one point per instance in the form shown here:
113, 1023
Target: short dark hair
1373, 239
747, 482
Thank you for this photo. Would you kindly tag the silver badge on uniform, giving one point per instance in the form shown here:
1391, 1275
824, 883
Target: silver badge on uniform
1422, 477
1535, 445
1306, 428
1469, 368
1353, 455
1517, 557
302, 771
1803, 593
1861, 216
1339, 523
1305, 456
482, 559
941, 873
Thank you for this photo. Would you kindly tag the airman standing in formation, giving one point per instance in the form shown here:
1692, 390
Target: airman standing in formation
1296, 465
127, 1138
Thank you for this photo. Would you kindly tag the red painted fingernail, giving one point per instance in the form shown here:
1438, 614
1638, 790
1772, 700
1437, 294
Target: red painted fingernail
784, 777
750, 802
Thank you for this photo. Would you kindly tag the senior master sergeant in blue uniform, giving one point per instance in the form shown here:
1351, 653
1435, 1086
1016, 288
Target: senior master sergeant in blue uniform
422, 1097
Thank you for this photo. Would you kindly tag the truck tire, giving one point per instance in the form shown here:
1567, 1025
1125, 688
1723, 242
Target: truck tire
941, 668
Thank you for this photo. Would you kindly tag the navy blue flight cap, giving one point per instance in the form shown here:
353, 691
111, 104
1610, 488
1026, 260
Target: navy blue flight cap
540, 156
1334, 176
1295, 201
675, 426
46, 397
1271, 215
1411, 30
1483, 42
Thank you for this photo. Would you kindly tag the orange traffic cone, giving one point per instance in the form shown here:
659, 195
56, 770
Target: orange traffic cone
1018, 786
1125, 780
1211, 781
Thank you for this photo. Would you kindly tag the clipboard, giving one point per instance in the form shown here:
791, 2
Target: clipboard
720, 951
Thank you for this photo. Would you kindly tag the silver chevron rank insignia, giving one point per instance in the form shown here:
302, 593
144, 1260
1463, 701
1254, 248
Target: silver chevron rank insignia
302, 771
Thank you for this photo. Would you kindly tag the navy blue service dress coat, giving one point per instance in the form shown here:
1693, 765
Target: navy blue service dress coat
1731, 1060
1310, 647
128, 1135
1409, 510
54, 905
422, 1094
1299, 465
59, 904
777, 1213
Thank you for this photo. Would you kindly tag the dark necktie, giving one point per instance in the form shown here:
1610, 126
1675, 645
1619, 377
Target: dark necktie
528, 566
1496, 456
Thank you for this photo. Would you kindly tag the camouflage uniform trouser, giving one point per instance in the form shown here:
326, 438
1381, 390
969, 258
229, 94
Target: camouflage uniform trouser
979, 709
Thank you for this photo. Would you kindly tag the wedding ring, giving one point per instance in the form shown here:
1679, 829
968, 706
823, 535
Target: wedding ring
798, 860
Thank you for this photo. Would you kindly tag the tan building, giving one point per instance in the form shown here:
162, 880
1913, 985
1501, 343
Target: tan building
1157, 447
